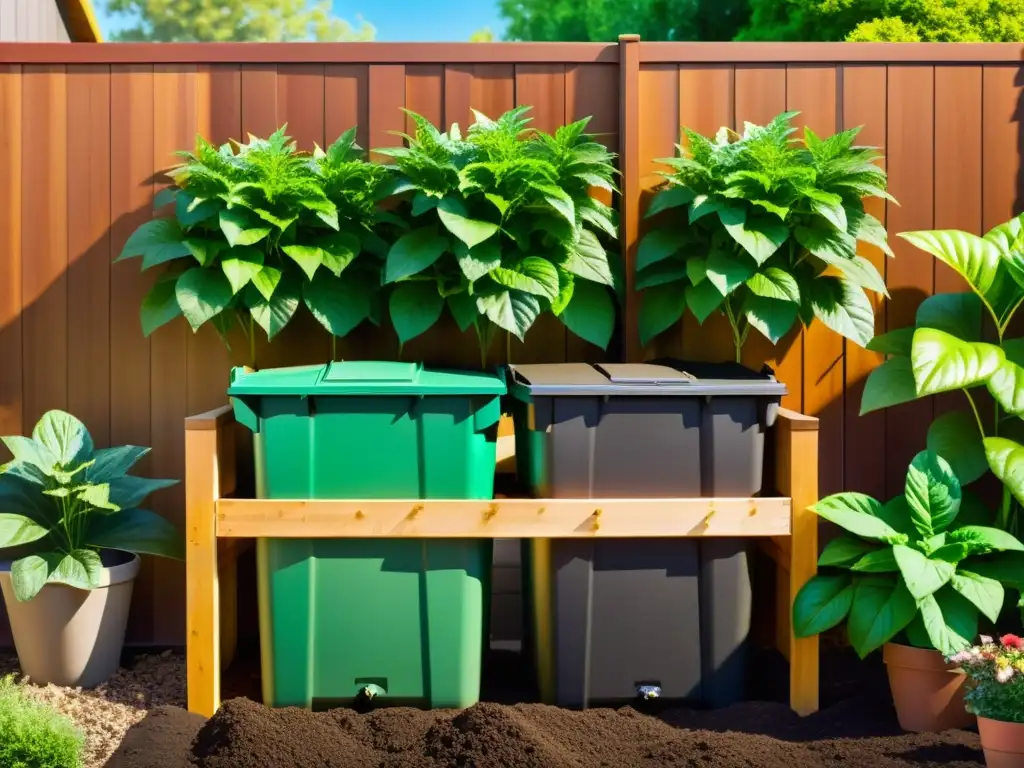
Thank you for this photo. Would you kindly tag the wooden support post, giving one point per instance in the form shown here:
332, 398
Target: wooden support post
796, 476
202, 576
629, 198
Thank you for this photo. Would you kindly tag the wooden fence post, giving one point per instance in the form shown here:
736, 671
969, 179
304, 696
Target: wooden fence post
629, 198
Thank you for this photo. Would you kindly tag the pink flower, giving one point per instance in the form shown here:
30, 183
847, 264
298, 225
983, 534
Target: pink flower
1012, 641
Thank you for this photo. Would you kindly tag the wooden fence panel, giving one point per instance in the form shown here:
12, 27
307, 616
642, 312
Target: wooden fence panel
98, 125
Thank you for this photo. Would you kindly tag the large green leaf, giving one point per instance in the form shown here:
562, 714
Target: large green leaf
156, 241
856, 513
19, 496
702, 206
727, 271
882, 608
1007, 386
943, 363
986, 594
898, 342
1006, 460
671, 197
590, 314
703, 299
479, 261
956, 313
760, 237
842, 306
511, 310
160, 305
202, 294
955, 437
889, 384
204, 249
130, 491
414, 252
240, 265
896, 513
661, 273
589, 260
266, 281
982, 539
950, 620
190, 210
844, 551
111, 463
338, 250
566, 286
1005, 567
308, 257
414, 307
659, 244
456, 220
64, 436
16, 530
30, 451
933, 494
80, 568
241, 229
922, 575
136, 530
273, 314
868, 229
821, 604
662, 307
775, 283
772, 318
838, 249
531, 274
339, 303
974, 258
882, 561
463, 308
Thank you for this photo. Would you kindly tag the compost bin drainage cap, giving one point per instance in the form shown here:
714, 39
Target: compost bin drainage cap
648, 691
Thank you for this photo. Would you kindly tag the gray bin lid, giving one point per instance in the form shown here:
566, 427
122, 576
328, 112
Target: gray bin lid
641, 380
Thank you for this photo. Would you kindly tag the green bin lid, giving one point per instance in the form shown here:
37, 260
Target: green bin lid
642, 380
364, 377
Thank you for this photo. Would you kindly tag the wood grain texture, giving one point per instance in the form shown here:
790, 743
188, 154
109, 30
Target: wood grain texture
11, 423
1002, 118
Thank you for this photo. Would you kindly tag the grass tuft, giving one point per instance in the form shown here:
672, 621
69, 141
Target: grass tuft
32, 735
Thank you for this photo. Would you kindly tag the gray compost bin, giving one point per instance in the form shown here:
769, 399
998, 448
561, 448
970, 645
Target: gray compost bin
610, 620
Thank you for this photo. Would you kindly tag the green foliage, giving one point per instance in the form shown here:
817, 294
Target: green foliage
215, 21
62, 500
32, 735
946, 350
748, 225
257, 228
917, 565
503, 228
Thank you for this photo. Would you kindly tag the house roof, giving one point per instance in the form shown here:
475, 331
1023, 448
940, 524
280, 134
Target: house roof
82, 24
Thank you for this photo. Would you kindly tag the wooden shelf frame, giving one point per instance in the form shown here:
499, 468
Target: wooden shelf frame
218, 526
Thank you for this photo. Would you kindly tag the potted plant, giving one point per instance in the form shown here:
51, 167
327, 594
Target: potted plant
949, 350
258, 228
71, 532
503, 228
995, 693
905, 575
764, 231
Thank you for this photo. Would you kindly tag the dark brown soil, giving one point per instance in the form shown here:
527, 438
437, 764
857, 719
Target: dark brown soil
856, 729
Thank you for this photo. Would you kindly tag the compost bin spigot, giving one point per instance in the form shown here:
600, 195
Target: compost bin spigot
648, 692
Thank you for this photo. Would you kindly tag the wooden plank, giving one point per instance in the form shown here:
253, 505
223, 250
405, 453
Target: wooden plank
387, 89
864, 104
214, 419
175, 122
657, 131
830, 53
44, 245
89, 256
910, 275
1001, 162
347, 102
706, 94
11, 422
300, 103
760, 96
494, 89
592, 90
796, 446
458, 93
503, 518
811, 90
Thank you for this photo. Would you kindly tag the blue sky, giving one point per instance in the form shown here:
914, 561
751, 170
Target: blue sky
405, 20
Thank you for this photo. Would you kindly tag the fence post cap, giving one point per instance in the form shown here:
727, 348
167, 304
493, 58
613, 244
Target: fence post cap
629, 38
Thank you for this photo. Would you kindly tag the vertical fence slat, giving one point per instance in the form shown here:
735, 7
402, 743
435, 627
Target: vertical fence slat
811, 90
911, 273
88, 192
346, 98
864, 104
1003, 136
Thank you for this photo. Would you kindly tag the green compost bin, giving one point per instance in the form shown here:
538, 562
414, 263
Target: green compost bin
403, 619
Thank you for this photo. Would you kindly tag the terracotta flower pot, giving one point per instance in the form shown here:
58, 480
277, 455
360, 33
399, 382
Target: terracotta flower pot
928, 692
1002, 742
69, 636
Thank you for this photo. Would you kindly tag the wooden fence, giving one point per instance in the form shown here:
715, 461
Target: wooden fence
86, 131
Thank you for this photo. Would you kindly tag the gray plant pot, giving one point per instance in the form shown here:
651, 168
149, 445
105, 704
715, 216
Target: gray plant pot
73, 637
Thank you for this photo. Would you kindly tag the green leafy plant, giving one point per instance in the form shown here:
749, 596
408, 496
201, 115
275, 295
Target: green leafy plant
764, 231
945, 351
32, 735
259, 228
63, 500
503, 229
913, 567
995, 678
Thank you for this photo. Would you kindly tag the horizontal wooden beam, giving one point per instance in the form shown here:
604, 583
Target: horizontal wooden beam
831, 53
503, 518
310, 53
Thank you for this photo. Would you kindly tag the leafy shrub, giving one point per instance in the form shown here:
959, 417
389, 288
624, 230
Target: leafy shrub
944, 351
995, 678
904, 568
258, 228
503, 229
32, 735
64, 500
764, 218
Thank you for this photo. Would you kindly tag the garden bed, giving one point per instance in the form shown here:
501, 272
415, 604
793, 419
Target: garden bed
855, 728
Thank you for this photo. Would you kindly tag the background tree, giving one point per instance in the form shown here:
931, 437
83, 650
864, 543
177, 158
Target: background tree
210, 21
482, 36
